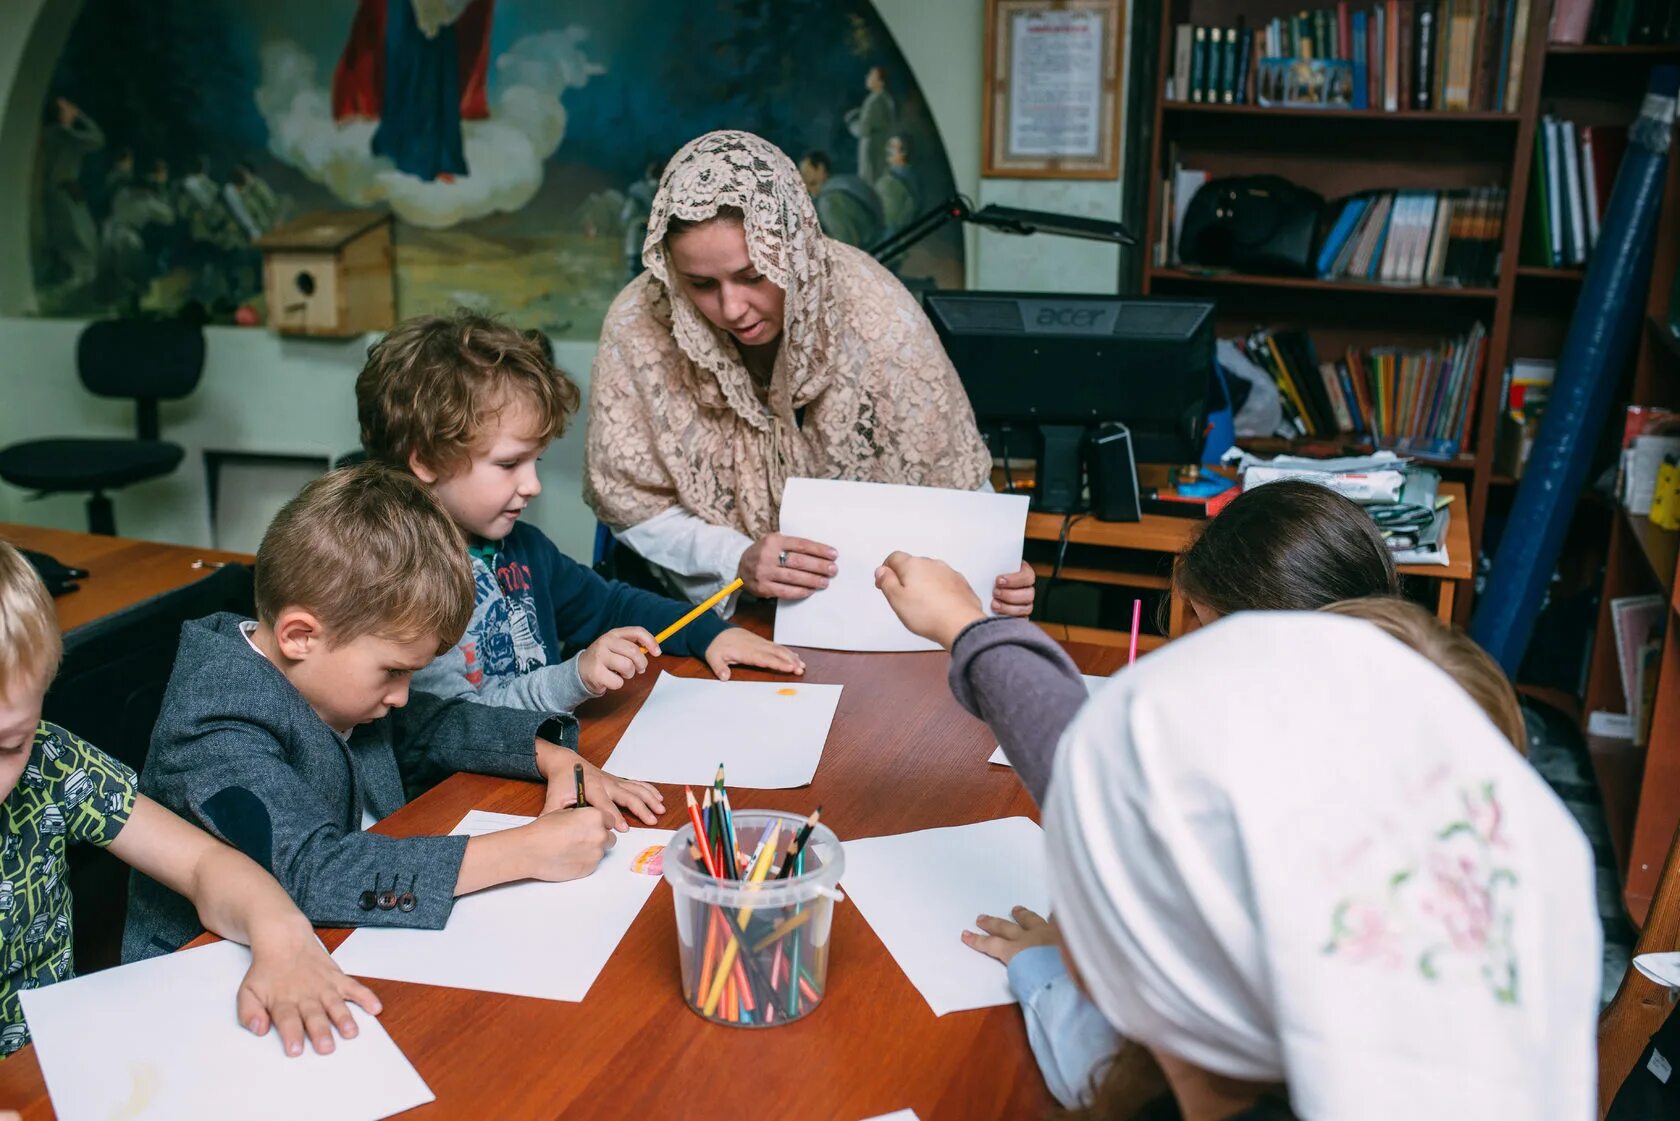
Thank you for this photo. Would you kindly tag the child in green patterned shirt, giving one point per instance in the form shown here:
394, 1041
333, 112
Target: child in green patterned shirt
55, 789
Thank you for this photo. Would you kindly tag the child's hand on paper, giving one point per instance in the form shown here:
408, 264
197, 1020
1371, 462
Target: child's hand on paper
929, 596
568, 844
296, 986
1012, 593
1004, 939
615, 658
739, 647
601, 790
777, 566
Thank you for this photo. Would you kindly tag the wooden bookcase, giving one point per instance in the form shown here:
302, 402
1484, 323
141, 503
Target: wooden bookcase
1338, 152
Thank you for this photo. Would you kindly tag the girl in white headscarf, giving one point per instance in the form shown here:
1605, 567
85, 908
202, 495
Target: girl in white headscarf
1337, 886
755, 349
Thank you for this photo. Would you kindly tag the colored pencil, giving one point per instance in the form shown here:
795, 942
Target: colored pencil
713, 601
577, 774
730, 951
1137, 617
797, 846
699, 830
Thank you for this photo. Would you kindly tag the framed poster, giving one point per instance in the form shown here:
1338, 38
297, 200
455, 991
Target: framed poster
1052, 89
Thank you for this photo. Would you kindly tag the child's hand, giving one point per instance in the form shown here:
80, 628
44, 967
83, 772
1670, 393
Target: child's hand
294, 985
601, 790
739, 647
928, 596
1004, 939
615, 658
567, 844
1012, 593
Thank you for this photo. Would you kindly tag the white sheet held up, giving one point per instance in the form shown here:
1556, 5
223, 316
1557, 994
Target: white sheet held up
159, 1041
920, 891
1091, 684
767, 734
976, 532
530, 938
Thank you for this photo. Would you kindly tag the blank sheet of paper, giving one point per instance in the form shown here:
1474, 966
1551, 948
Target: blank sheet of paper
530, 938
1091, 684
160, 1039
921, 890
767, 734
977, 533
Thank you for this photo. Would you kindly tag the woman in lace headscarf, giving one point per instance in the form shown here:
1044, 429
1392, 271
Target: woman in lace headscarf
754, 350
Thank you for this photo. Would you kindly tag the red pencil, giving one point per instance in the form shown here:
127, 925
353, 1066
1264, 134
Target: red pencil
700, 833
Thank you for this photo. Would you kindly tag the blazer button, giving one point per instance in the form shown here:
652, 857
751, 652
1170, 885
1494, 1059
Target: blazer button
366, 901
407, 902
387, 899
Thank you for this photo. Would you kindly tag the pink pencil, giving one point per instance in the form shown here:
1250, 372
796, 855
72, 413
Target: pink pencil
1137, 617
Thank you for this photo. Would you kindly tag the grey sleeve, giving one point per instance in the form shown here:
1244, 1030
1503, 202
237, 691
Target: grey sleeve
549, 689
434, 737
1013, 676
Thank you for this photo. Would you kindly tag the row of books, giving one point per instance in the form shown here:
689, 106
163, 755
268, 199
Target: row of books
1435, 238
1526, 388
1454, 55
1569, 187
1415, 399
1616, 22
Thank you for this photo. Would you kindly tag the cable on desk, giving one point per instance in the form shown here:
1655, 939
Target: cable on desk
1068, 522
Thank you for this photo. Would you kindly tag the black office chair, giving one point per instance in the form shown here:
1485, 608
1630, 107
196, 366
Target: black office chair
146, 359
108, 691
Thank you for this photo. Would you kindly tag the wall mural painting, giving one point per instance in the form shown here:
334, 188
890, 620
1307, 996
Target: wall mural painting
517, 142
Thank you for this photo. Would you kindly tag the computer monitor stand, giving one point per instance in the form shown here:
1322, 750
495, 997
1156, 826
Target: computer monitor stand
1060, 488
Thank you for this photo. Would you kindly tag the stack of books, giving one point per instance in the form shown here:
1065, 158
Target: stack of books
1616, 22
1409, 399
1568, 189
1454, 55
1435, 238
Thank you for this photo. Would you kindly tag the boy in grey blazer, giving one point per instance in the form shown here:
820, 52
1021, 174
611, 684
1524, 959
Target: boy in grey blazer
288, 735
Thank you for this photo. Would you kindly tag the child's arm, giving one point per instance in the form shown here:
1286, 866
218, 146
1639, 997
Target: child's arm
292, 982
587, 607
556, 688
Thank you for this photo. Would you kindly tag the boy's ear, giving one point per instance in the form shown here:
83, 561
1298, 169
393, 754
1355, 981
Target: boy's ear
420, 470
298, 633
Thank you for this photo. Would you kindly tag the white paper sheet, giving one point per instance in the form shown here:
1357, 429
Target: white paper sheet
897, 1115
767, 734
160, 1040
1091, 684
921, 890
977, 533
1663, 968
530, 938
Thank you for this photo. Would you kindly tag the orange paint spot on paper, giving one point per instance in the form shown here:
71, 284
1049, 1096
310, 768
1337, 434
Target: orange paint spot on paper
788, 692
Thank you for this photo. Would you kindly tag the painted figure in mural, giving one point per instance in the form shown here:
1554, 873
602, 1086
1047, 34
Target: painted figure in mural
847, 207
755, 349
208, 233
901, 198
638, 202
872, 122
71, 235
418, 67
127, 261
253, 203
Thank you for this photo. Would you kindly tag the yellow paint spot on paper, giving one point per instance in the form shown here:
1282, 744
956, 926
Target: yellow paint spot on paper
787, 692
143, 1087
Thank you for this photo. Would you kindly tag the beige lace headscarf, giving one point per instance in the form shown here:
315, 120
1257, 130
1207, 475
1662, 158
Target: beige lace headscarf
675, 418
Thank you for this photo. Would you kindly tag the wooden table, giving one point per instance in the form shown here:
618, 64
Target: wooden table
121, 570
901, 756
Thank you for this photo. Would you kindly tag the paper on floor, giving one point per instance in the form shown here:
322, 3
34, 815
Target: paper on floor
529, 938
1091, 684
976, 532
161, 1039
920, 891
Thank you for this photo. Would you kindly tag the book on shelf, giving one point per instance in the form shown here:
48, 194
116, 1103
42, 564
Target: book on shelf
1615, 22
1526, 388
1414, 399
1569, 183
1650, 433
1434, 238
1177, 189
1453, 55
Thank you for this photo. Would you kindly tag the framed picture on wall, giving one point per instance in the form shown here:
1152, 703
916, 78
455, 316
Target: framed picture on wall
1052, 89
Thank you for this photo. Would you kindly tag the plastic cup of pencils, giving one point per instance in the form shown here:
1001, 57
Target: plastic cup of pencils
755, 955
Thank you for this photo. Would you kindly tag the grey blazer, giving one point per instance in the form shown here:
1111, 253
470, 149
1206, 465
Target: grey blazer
239, 752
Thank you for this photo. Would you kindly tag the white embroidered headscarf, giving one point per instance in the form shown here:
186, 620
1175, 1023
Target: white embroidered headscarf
674, 416
1287, 848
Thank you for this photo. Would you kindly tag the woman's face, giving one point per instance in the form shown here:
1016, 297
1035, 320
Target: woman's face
710, 264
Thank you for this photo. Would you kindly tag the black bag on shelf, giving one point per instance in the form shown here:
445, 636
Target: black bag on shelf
1252, 223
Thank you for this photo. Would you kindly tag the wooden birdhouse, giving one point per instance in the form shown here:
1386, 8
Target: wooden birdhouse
329, 274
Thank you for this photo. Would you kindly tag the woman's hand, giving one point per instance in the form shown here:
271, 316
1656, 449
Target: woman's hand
1013, 592
777, 566
929, 596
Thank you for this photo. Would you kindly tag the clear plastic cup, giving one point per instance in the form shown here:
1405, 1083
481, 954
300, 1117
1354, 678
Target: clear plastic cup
755, 955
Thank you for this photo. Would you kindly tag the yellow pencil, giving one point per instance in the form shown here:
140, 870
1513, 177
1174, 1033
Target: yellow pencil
729, 589
760, 870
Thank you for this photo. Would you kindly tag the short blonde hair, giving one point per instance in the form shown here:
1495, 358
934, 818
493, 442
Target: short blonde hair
30, 645
433, 385
367, 550
1452, 650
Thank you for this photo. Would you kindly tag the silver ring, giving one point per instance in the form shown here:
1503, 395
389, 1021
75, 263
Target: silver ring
781, 559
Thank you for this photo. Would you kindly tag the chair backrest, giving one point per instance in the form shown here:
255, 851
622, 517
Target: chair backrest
108, 691
146, 359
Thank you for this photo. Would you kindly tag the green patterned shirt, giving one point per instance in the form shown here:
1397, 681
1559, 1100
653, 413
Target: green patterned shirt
69, 791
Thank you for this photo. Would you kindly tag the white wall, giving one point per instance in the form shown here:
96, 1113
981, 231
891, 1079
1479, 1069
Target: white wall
265, 394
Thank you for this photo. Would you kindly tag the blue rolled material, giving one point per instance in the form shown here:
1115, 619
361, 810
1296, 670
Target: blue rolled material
1601, 336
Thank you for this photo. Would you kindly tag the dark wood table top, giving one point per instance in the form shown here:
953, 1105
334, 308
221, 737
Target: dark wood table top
901, 756
121, 570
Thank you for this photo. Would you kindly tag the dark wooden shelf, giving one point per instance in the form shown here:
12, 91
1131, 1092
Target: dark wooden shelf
1660, 548
1503, 480
1663, 337
1282, 112
1339, 445
1311, 284
1610, 50
1546, 272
